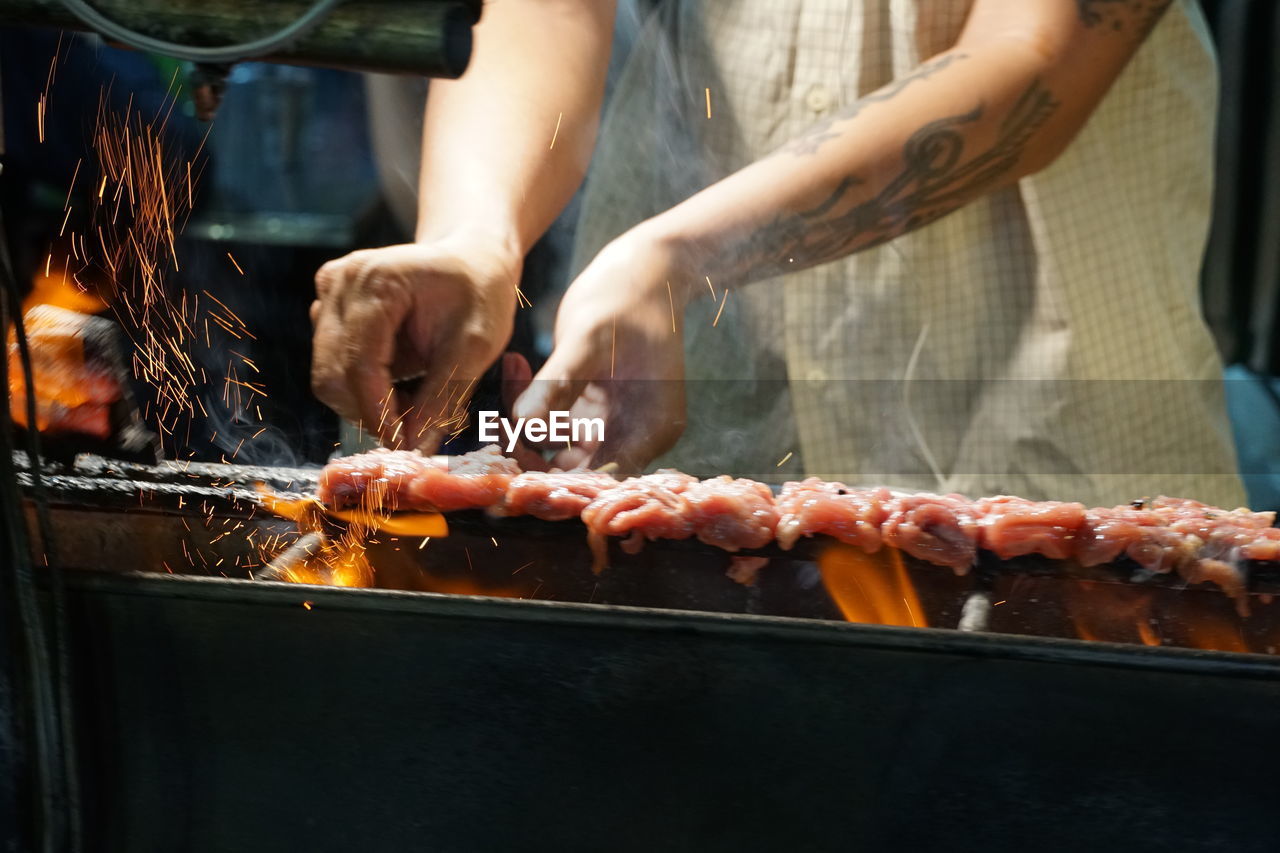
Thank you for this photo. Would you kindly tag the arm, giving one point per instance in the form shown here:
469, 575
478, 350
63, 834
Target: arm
1004, 101
442, 307
488, 164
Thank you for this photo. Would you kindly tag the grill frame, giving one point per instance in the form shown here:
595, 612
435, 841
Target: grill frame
220, 713
223, 714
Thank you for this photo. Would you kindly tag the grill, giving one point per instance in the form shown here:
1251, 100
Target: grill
659, 705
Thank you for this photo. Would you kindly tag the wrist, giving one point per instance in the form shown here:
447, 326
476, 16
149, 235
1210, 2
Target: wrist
668, 252
490, 232
500, 246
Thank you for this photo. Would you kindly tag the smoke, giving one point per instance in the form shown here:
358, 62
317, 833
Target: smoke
245, 440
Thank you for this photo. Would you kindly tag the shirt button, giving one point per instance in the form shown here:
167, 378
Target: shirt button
818, 99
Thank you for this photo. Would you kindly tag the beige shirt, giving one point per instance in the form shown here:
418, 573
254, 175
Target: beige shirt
1044, 341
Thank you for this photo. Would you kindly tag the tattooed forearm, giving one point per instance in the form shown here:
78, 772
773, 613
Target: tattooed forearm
938, 175
1138, 16
812, 139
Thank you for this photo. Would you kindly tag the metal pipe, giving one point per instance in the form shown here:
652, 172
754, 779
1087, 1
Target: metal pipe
426, 37
306, 548
975, 614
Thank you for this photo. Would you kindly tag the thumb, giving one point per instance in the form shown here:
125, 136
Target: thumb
516, 376
559, 383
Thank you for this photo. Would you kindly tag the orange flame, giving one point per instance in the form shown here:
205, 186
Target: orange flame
306, 511
343, 561
1108, 612
1117, 613
1216, 631
434, 582
872, 589
61, 291
69, 397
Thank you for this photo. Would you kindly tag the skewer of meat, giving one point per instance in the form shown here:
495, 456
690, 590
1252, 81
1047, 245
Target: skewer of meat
1012, 527
391, 481
814, 507
732, 513
639, 509
1199, 542
940, 529
553, 495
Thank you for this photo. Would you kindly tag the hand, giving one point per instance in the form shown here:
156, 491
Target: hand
619, 355
441, 312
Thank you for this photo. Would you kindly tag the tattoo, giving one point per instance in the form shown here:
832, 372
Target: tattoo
1119, 15
812, 139
938, 176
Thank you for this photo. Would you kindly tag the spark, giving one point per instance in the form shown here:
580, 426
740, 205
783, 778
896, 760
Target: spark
721, 311
307, 605
911, 613
708, 91
556, 133
709, 287
72, 187
784, 459
671, 299
236, 265
613, 349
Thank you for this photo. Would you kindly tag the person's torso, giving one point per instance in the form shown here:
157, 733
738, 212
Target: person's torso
1044, 340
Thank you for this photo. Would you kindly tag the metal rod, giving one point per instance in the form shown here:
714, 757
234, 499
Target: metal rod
975, 615
307, 547
426, 37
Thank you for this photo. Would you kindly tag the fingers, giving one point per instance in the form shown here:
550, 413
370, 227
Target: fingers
368, 347
636, 433
356, 317
516, 377
328, 381
427, 418
439, 406
560, 381
643, 418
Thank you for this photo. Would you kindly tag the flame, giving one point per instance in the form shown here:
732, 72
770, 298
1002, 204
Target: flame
872, 589
306, 511
340, 563
69, 396
435, 582
343, 561
62, 290
424, 524
1113, 613
1216, 631
1118, 613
